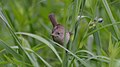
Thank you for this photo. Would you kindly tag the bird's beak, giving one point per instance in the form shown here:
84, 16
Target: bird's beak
52, 34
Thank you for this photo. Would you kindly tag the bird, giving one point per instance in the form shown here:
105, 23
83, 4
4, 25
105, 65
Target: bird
59, 33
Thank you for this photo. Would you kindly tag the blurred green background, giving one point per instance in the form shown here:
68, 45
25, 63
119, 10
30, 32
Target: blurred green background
90, 46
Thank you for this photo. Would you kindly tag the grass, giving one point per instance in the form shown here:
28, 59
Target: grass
25, 30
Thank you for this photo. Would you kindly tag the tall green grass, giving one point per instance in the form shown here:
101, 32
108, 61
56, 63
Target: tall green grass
25, 30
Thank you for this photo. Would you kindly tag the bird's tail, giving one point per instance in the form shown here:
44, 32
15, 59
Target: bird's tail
52, 19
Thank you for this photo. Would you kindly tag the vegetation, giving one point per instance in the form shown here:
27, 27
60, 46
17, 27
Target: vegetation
25, 29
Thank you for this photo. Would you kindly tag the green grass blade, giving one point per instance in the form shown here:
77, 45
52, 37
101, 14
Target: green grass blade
47, 64
29, 50
77, 58
85, 51
10, 50
15, 37
97, 41
44, 41
105, 3
108, 25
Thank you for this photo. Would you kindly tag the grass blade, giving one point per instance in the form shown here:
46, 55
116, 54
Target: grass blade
42, 40
105, 3
10, 50
81, 60
15, 37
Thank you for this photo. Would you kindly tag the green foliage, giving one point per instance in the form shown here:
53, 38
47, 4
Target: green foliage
25, 30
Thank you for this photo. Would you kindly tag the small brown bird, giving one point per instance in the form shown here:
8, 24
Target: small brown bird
58, 32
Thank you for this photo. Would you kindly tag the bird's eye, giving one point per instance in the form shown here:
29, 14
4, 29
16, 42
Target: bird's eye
58, 33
